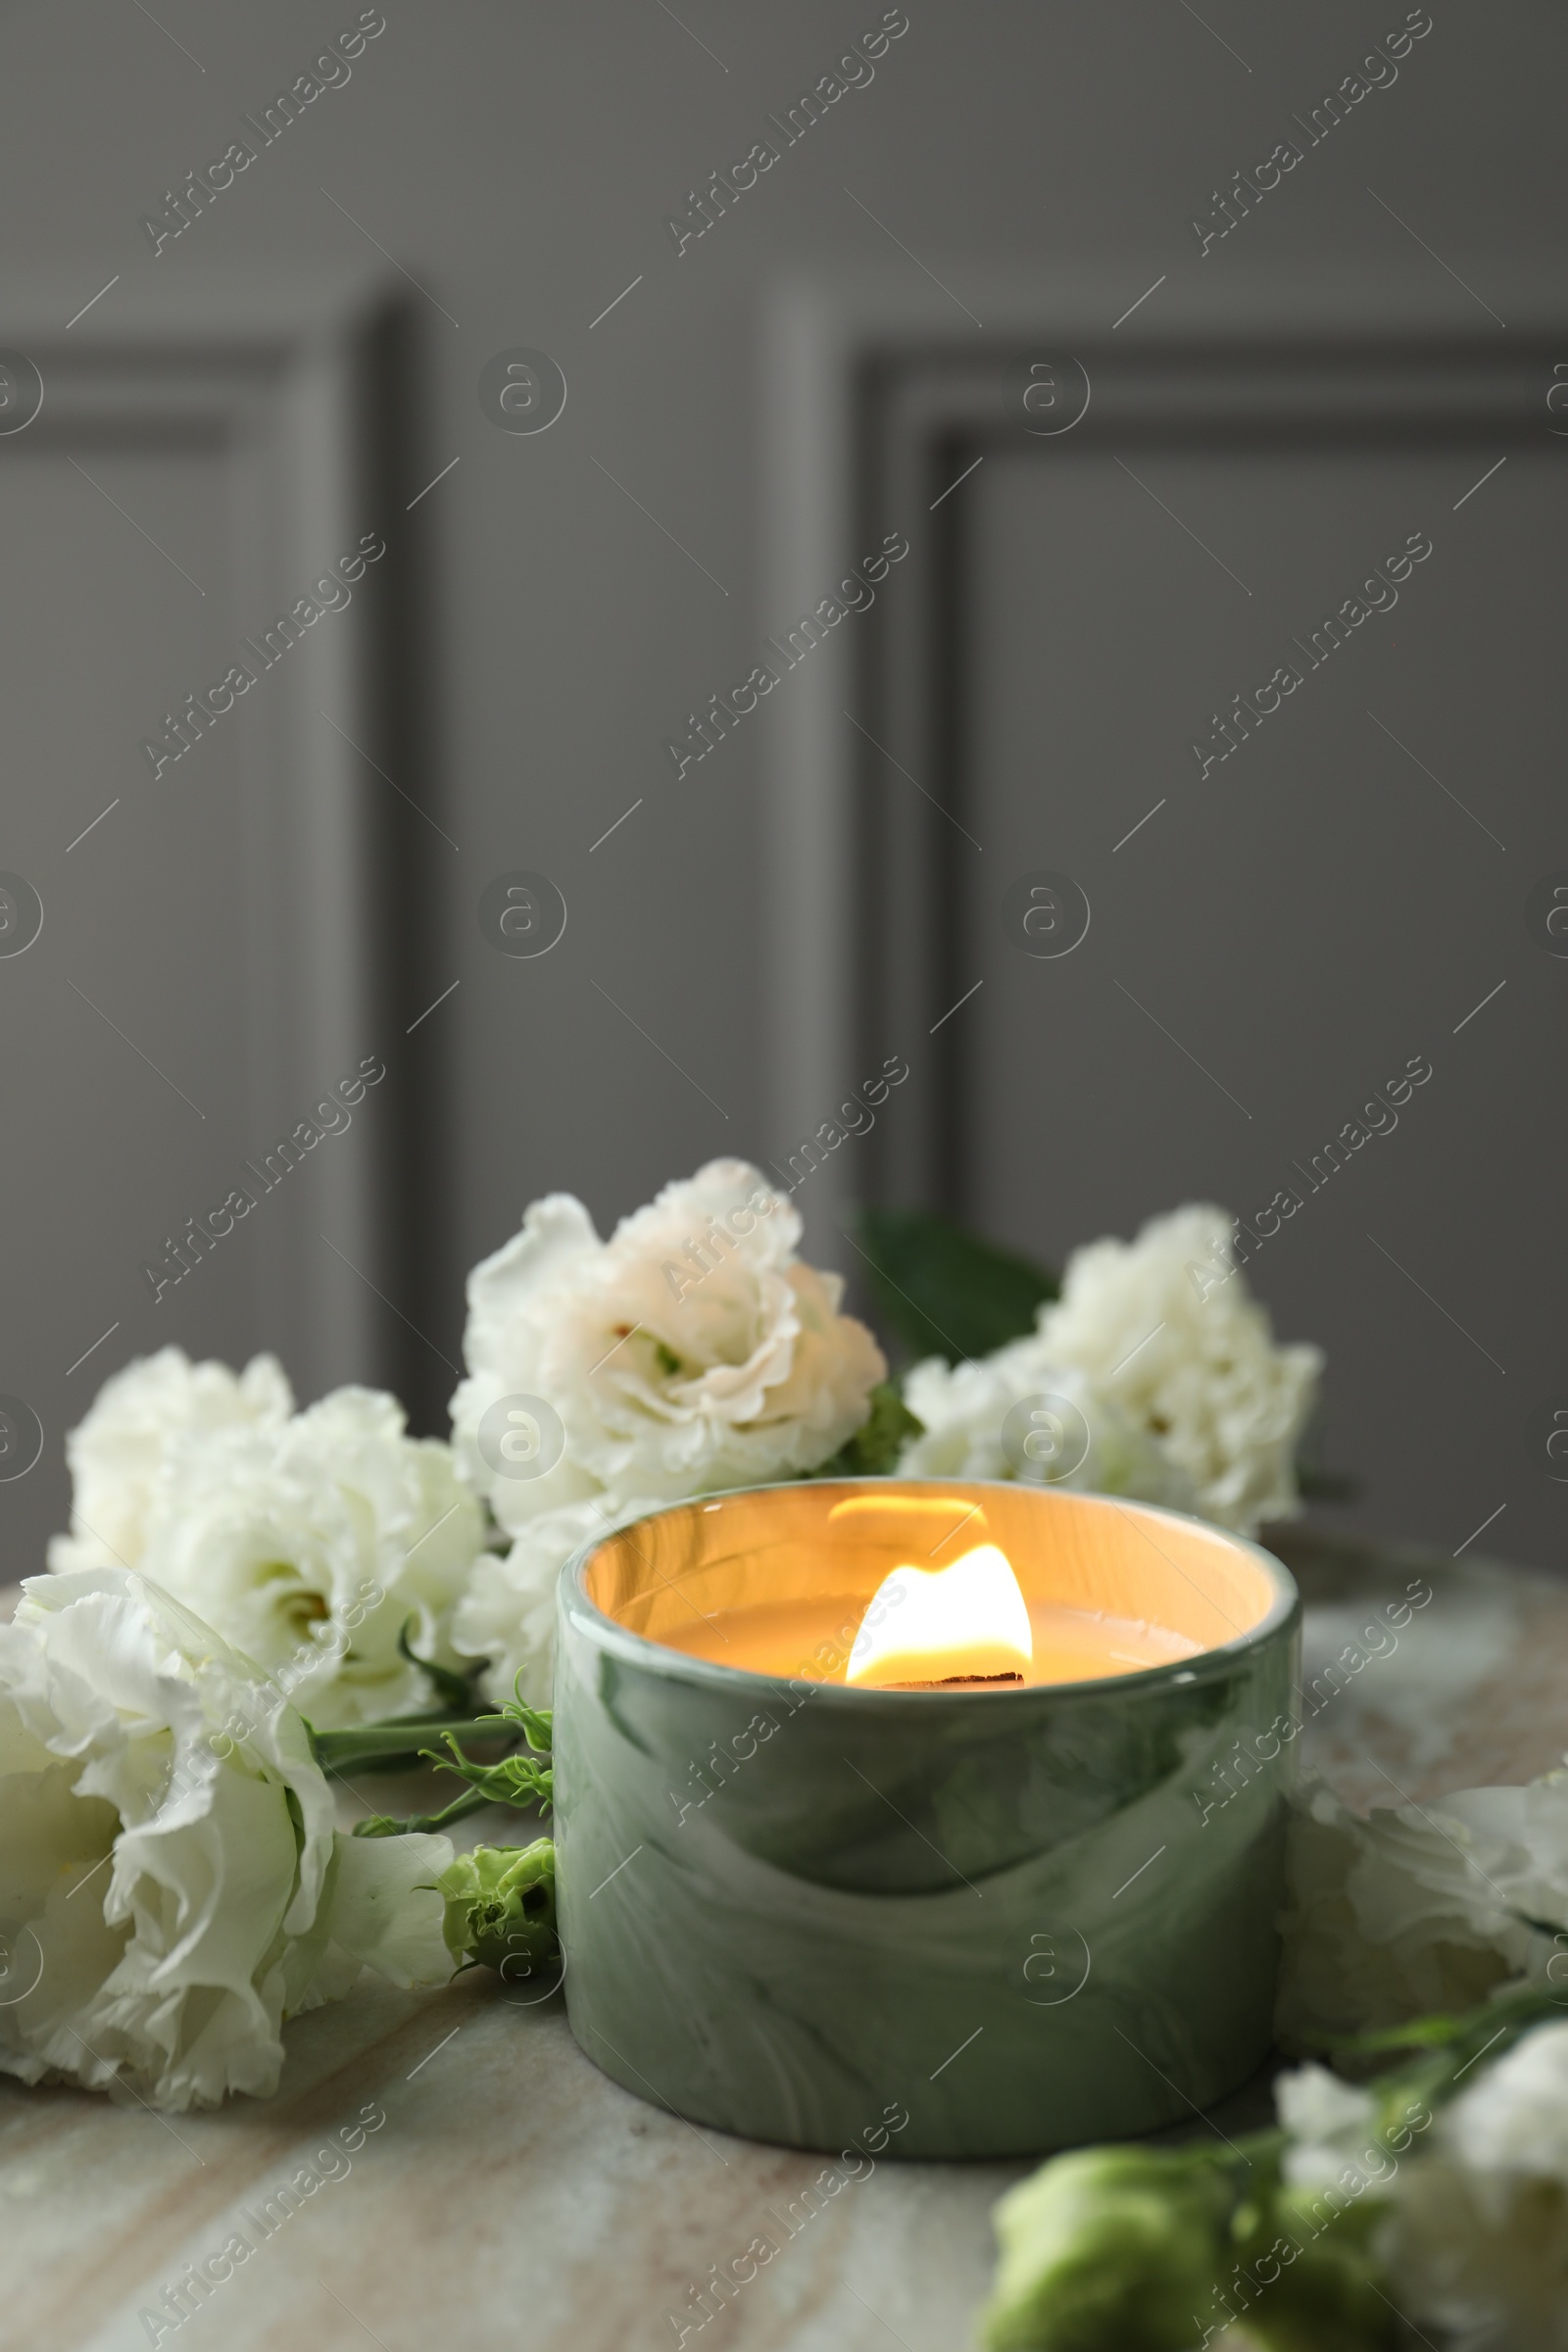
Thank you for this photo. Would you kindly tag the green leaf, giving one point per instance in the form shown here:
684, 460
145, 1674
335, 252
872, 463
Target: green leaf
878, 1443
1325, 1486
1315, 1482
943, 1290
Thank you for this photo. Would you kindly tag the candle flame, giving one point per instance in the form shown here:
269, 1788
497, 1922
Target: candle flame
969, 1622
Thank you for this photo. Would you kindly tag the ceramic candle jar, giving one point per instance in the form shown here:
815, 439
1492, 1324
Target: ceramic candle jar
1028, 1915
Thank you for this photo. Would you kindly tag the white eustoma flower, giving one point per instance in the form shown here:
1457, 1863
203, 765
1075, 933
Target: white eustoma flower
119, 1454
507, 1614
690, 1352
311, 1545
1512, 2123
1333, 2129
1094, 1444
1166, 1328
172, 1886
1417, 1908
1478, 2239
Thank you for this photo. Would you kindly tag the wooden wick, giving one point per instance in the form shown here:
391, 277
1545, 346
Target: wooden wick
955, 1682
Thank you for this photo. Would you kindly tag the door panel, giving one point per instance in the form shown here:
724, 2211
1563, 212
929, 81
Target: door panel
1329, 900
1291, 898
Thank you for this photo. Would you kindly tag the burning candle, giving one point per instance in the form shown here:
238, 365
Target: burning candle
852, 1774
965, 1625
962, 1629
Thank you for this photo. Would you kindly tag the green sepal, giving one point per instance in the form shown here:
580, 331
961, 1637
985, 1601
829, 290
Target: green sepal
877, 1444
453, 1691
513, 1781
537, 1724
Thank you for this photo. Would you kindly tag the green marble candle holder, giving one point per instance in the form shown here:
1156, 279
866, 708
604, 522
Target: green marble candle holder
1023, 1917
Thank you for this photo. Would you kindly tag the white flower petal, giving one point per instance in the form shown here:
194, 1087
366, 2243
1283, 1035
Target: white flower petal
1416, 1908
119, 1454
507, 1614
1331, 2124
965, 1407
310, 1544
690, 1352
1166, 1326
167, 1851
1478, 2243
385, 1909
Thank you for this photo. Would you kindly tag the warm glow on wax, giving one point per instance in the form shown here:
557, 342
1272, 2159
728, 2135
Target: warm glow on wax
943, 1624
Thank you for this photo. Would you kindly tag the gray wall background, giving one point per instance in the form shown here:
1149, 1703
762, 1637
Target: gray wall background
574, 594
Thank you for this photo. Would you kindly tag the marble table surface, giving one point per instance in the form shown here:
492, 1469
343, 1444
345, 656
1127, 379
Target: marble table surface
506, 2193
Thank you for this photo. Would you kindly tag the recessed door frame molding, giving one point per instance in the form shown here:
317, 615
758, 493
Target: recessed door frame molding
881, 400
297, 380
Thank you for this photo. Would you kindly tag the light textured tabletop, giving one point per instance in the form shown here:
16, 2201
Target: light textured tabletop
511, 2196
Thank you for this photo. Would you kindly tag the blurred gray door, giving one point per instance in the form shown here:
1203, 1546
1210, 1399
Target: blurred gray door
1198, 768
193, 854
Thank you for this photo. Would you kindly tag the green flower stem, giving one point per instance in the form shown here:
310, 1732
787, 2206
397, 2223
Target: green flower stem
386, 1825
509, 1781
514, 1780
367, 1743
1440, 2050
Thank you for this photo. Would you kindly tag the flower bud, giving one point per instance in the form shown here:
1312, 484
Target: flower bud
500, 1904
1116, 2247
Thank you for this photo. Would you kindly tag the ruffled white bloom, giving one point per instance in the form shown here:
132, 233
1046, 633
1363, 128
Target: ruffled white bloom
171, 1886
119, 1454
1166, 1328
1333, 2129
310, 1547
1417, 1909
690, 1352
967, 1434
1478, 2242
507, 1613
1513, 2122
